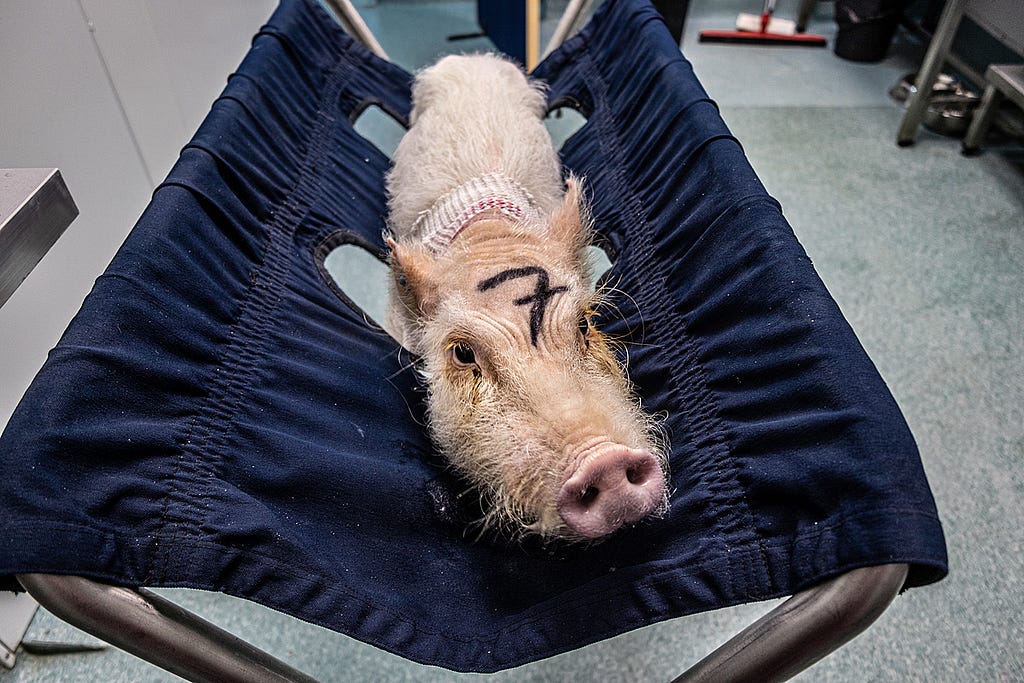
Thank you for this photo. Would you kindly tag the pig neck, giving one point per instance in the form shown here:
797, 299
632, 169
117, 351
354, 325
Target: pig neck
485, 196
492, 239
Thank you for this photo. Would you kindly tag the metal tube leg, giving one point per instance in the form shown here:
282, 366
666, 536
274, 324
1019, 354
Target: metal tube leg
158, 631
804, 14
567, 24
933, 60
983, 116
802, 630
354, 25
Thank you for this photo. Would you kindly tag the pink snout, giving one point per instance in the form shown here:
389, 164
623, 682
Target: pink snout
610, 488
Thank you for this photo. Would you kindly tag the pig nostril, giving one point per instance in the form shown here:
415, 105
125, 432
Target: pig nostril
636, 476
611, 488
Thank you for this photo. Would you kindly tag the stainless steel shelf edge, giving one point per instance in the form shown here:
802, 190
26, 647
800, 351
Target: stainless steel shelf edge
35, 209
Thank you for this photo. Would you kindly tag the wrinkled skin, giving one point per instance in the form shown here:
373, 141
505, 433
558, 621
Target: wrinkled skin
526, 399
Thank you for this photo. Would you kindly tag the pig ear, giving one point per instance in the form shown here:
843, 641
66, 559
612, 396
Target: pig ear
413, 271
570, 224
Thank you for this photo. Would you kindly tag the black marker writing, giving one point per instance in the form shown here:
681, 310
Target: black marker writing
539, 298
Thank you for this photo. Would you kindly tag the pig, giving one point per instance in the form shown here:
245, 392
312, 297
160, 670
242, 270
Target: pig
492, 291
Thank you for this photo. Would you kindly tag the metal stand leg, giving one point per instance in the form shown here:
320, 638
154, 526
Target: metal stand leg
354, 25
158, 631
568, 24
804, 14
1005, 81
983, 116
802, 630
933, 60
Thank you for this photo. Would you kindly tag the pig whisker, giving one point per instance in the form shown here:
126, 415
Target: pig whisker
604, 294
607, 299
646, 345
493, 522
408, 407
402, 367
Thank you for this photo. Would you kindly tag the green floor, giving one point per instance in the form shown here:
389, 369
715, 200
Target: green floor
924, 251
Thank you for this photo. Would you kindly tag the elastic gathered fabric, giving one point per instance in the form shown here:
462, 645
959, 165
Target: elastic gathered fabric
218, 416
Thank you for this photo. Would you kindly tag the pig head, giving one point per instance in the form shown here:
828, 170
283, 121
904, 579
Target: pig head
526, 398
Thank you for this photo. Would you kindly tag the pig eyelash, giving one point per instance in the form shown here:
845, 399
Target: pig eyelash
583, 324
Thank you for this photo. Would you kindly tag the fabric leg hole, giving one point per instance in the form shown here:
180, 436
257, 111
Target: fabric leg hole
600, 262
379, 128
362, 278
562, 123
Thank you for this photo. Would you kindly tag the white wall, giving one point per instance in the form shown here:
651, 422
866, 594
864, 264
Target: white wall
107, 91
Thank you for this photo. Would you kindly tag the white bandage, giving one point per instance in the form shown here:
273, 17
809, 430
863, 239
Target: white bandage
454, 210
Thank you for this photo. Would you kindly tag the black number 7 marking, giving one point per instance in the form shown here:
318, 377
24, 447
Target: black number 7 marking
539, 298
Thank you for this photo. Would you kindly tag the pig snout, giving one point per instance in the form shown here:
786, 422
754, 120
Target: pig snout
609, 488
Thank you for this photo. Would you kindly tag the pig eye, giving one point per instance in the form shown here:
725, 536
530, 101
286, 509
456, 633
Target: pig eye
463, 355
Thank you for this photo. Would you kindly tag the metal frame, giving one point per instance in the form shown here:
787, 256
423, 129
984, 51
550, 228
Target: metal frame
802, 630
787, 640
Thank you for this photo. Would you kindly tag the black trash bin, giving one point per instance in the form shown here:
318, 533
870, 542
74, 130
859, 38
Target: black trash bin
865, 28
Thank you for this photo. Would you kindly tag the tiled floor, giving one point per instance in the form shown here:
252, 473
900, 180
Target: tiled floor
924, 251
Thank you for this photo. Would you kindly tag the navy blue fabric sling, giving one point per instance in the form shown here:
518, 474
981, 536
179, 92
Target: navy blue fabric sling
218, 417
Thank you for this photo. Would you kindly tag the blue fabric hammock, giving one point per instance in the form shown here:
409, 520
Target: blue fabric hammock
217, 416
